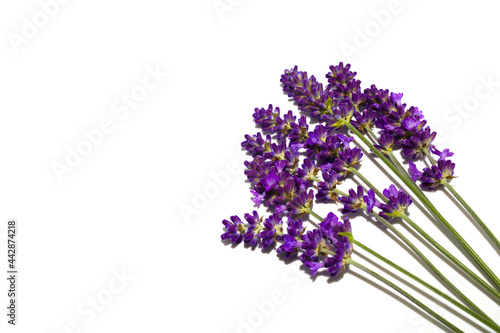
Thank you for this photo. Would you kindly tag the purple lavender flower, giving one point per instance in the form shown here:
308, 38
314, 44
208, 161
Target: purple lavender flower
284, 126
410, 123
257, 197
313, 244
346, 140
337, 263
442, 155
386, 143
235, 229
364, 120
253, 229
301, 204
398, 201
337, 235
370, 200
308, 170
292, 240
278, 151
434, 176
358, 100
326, 190
415, 174
415, 146
378, 99
292, 159
299, 133
287, 192
316, 140
354, 201
256, 145
342, 80
307, 92
334, 264
266, 115
331, 226
328, 150
314, 266
273, 226
348, 158
270, 181
396, 98
341, 115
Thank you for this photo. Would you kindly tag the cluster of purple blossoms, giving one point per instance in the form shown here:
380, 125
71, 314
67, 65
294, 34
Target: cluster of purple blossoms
288, 159
342, 99
431, 178
328, 247
357, 199
295, 163
397, 202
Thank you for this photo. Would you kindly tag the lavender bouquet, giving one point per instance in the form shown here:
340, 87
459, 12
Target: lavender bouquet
299, 161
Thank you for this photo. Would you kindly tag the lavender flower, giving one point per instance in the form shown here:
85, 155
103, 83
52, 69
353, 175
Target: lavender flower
337, 263
266, 116
326, 190
442, 155
337, 235
348, 158
364, 120
342, 80
252, 235
332, 226
307, 92
308, 170
256, 145
299, 133
292, 240
341, 115
273, 226
301, 204
436, 175
415, 174
386, 143
235, 229
313, 243
353, 202
398, 201
416, 146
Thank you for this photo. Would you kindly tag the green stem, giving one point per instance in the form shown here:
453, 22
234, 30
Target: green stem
457, 262
314, 214
372, 135
480, 222
469, 209
367, 182
400, 167
341, 193
406, 294
428, 286
315, 179
430, 265
447, 254
429, 157
452, 258
416, 190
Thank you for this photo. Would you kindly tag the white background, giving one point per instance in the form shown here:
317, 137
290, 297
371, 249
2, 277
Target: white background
119, 209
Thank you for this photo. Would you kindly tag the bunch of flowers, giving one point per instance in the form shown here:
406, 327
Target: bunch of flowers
301, 160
